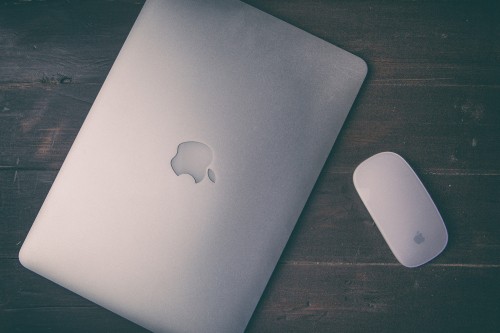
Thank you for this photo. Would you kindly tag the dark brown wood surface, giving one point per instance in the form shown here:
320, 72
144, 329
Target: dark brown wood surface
432, 95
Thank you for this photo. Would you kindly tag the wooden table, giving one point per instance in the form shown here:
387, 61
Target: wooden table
432, 95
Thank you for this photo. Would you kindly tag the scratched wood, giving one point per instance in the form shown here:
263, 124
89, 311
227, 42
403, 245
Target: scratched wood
334, 227
450, 130
379, 298
423, 43
60, 41
432, 94
300, 298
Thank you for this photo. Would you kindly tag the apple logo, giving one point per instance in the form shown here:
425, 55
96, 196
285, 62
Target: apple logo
193, 158
419, 238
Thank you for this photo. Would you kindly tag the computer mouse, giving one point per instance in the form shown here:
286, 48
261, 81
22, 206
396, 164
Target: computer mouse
401, 208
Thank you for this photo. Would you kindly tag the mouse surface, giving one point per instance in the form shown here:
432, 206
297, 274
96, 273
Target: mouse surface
401, 208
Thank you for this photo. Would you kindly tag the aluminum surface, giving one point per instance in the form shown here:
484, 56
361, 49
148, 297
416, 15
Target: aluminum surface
120, 228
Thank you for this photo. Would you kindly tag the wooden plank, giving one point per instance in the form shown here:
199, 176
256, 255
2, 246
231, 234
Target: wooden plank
38, 125
65, 319
334, 227
30, 303
300, 298
21, 196
430, 41
440, 129
364, 298
22, 288
437, 43
62, 41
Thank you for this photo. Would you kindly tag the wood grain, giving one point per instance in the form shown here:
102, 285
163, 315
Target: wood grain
333, 228
305, 297
378, 298
432, 95
450, 129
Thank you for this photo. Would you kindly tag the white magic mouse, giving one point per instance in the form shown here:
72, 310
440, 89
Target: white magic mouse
401, 208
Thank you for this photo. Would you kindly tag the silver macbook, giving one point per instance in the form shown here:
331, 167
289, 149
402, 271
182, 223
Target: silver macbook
186, 179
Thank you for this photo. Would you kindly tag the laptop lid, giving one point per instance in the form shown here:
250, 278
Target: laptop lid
193, 165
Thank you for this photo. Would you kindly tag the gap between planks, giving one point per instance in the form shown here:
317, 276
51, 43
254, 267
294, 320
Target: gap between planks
340, 170
339, 264
360, 264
